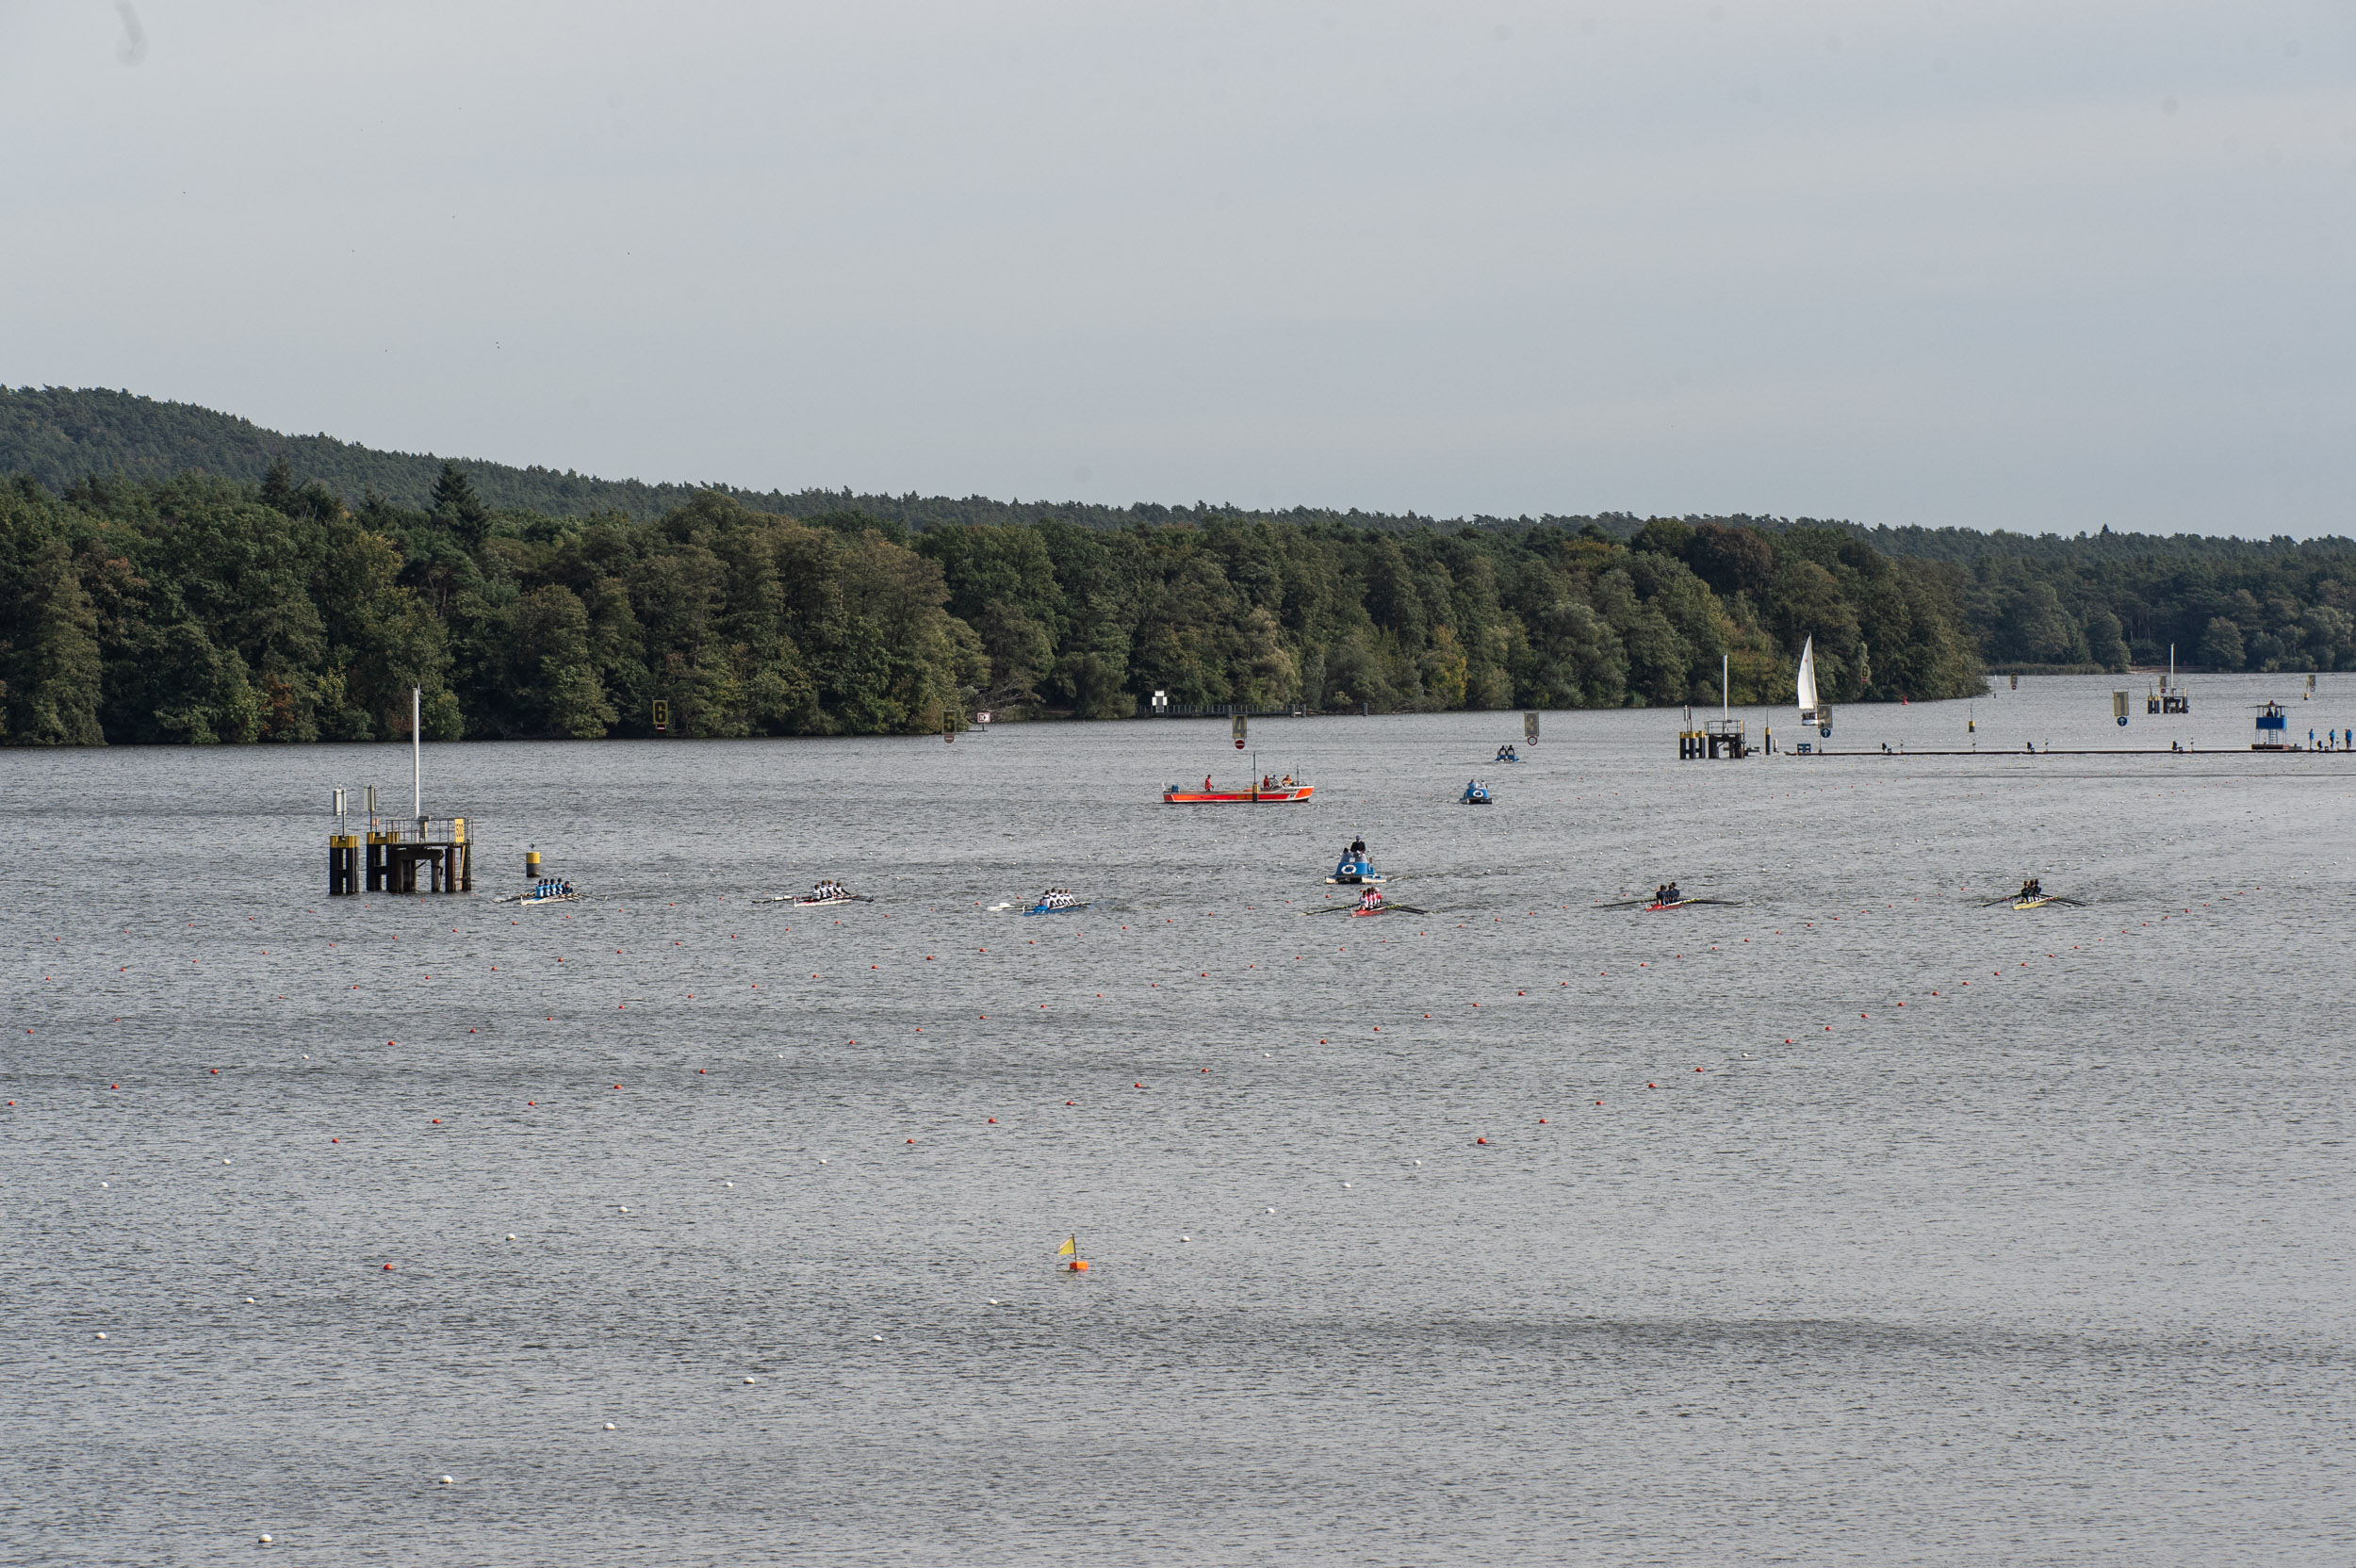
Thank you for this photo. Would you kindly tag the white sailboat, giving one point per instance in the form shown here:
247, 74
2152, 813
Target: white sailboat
1811, 710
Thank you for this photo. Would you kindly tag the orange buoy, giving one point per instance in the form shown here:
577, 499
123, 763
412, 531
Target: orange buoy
1078, 1266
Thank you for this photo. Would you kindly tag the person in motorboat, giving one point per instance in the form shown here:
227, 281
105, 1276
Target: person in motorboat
1357, 848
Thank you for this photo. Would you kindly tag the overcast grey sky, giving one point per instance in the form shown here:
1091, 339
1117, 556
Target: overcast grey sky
2041, 266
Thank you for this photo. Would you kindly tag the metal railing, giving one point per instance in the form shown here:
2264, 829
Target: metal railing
418, 830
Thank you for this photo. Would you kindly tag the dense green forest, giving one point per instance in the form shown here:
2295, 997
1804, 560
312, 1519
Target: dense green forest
2104, 599
165, 576
200, 609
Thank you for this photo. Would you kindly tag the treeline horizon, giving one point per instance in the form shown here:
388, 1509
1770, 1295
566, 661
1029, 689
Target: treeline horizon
63, 436
198, 609
1037, 609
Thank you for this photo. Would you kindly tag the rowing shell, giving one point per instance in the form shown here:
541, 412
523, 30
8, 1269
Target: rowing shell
551, 898
1054, 909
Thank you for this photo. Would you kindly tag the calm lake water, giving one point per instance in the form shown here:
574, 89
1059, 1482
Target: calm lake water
1851, 1220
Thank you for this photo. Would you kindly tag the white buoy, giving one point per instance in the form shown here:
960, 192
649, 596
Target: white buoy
752, 1380
510, 1235
879, 1339
102, 1337
994, 1301
249, 1301
821, 1162
263, 1540
732, 1183
625, 1208
450, 1480
106, 1184
1185, 1238
609, 1426
1344, 1183
1419, 1162
1271, 1211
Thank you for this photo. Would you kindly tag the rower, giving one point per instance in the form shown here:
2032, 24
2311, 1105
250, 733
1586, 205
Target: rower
1670, 894
1371, 899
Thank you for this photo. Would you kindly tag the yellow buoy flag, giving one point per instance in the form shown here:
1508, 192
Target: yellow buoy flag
1070, 1249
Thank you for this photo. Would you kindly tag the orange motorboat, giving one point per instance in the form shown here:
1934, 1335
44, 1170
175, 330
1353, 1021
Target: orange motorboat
1266, 791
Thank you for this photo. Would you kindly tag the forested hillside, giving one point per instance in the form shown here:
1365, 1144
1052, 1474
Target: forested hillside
61, 436
200, 609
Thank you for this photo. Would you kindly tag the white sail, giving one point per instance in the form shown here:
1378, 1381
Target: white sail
1807, 682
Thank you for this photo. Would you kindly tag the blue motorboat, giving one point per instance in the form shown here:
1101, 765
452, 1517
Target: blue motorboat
1475, 793
1356, 870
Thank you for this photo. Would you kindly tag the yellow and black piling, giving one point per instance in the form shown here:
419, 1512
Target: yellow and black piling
343, 864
